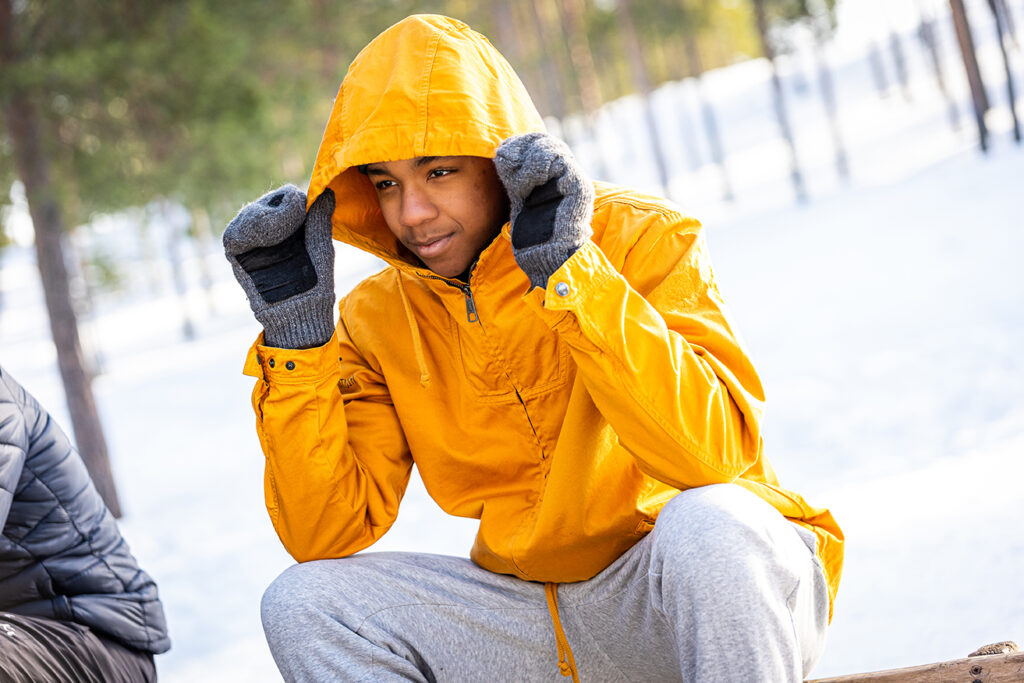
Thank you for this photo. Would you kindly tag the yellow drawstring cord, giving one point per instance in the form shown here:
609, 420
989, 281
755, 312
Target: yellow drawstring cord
566, 662
417, 343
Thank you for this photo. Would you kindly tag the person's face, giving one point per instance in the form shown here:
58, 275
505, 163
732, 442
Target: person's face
444, 209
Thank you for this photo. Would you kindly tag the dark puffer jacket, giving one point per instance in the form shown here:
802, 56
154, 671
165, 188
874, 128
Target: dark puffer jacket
61, 554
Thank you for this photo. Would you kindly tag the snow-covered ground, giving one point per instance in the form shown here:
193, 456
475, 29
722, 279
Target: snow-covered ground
886, 316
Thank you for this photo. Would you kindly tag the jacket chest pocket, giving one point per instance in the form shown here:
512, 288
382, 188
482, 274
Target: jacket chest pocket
527, 358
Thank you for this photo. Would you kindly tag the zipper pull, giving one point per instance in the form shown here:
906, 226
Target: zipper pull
471, 315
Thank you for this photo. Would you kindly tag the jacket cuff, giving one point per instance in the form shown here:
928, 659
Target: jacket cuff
291, 366
574, 283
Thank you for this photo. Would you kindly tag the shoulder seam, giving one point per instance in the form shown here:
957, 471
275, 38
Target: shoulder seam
628, 197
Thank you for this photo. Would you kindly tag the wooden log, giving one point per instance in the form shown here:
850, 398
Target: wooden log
998, 668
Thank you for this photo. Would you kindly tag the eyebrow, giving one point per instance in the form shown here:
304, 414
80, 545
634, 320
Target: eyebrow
375, 169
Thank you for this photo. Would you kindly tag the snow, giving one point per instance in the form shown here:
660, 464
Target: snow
886, 316
887, 324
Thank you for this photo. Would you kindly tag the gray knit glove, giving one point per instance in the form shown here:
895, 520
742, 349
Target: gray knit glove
284, 260
551, 202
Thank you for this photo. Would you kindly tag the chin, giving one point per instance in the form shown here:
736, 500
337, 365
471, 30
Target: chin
447, 270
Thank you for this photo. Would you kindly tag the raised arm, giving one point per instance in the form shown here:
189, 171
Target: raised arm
337, 460
649, 334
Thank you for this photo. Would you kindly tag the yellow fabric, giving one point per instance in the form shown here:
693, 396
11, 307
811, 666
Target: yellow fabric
562, 423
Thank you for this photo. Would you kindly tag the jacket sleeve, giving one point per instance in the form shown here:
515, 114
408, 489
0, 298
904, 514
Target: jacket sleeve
12, 443
337, 459
12, 459
656, 352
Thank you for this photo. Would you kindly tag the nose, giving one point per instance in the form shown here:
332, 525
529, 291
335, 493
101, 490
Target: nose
417, 207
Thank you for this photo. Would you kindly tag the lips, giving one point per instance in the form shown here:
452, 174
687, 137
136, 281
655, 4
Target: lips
431, 247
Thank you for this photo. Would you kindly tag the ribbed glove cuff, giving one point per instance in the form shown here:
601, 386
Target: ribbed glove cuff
550, 202
303, 322
540, 261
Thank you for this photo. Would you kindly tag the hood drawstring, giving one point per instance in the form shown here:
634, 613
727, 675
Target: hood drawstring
566, 662
417, 343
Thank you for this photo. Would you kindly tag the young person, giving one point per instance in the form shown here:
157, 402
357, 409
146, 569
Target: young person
74, 605
555, 358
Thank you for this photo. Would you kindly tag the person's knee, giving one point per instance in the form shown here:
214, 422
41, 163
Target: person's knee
705, 532
345, 589
726, 509
282, 598
293, 596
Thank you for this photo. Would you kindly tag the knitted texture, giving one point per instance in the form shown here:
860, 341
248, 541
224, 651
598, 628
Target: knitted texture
551, 202
284, 260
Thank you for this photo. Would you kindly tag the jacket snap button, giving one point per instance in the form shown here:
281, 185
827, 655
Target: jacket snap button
290, 365
562, 289
271, 362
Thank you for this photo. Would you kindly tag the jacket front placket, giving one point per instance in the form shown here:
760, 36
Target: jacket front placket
477, 326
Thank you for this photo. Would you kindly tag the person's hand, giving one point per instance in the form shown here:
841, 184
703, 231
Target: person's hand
551, 202
284, 260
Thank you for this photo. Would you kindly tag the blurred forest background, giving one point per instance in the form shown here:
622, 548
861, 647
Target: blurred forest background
168, 116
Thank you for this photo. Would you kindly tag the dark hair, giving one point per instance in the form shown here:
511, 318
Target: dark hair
362, 168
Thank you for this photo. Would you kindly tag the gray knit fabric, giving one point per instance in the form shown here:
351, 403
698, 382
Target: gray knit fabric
724, 589
307, 319
524, 163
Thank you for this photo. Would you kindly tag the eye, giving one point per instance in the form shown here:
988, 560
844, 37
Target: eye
382, 185
439, 172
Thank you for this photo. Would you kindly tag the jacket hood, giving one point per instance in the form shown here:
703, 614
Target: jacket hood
427, 86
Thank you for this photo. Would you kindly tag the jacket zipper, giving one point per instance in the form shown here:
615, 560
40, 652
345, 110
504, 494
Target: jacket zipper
471, 314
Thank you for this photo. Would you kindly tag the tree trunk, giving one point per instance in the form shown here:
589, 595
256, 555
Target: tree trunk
174, 247
522, 54
896, 45
998, 11
1008, 20
780, 103
508, 40
33, 170
83, 302
638, 65
554, 75
931, 43
696, 67
202, 240
979, 98
580, 54
828, 96
586, 75
687, 127
878, 69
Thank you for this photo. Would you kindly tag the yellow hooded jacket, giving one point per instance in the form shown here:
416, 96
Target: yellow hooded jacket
562, 423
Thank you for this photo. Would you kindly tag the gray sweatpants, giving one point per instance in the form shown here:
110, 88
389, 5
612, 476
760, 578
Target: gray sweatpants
723, 589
